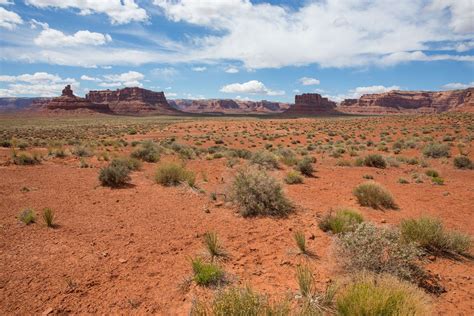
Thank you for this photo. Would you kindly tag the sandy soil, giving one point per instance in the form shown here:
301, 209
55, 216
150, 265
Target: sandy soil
128, 250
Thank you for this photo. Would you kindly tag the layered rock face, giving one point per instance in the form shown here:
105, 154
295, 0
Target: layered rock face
68, 101
395, 102
132, 101
309, 104
228, 106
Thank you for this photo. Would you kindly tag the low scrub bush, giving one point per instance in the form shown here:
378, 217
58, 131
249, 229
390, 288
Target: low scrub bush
114, 175
430, 234
463, 162
213, 246
265, 159
300, 242
305, 279
239, 302
23, 159
374, 195
381, 295
257, 193
305, 166
148, 151
293, 177
130, 163
81, 151
435, 150
432, 173
27, 216
172, 174
343, 221
375, 161
379, 250
48, 217
206, 273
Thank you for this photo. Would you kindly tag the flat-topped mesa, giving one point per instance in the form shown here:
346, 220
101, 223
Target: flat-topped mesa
394, 102
311, 104
68, 101
133, 101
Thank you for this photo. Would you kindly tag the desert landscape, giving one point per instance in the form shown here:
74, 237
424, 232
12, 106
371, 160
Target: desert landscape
136, 202
237, 157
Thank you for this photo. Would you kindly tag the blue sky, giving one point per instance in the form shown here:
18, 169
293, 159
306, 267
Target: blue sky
236, 48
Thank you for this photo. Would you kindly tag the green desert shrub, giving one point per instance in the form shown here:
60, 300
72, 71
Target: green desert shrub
429, 233
287, 156
149, 151
374, 195
172, 174
375, 161
131, 163
239, 302
378, 250
381, 295
437, 180
432, 173
305, 279
265, 159
305, 166
463, 162
114, 175
82, 151
257, 193
342, 221
27, 216
206, 273
436, 150
23, 159
300, 241
213, 246
48, 217
293, 177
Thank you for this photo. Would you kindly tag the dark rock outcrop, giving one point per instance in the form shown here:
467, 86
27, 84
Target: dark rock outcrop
395, 102
309, 104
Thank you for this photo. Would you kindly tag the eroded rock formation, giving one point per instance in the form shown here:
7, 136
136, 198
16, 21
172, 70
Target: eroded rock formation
68, 101
311, 104
132, 101
395, 102
228, 106
135, 101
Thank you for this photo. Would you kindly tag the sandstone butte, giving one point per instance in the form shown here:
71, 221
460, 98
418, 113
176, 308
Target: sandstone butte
309, 104
423, 102
134, 101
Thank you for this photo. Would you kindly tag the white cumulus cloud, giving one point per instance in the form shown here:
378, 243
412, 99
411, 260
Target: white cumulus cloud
199, 69
250, 87
359, 91
9, 19
127, 79
306, 81
54, 38
458, 85
38, 84
119, 11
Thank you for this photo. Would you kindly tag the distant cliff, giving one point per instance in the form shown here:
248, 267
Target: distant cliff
395, 102
228, 106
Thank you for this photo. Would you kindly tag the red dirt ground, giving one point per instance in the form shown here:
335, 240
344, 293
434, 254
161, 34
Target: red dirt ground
127, 251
